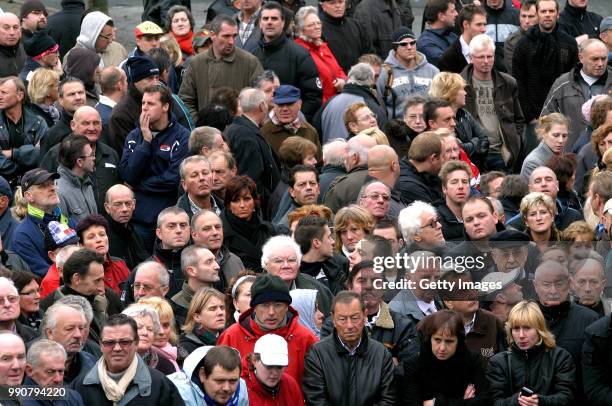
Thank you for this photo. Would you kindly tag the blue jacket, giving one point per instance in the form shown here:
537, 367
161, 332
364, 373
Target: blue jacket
433, 42
152, 169
29, 240
8, 224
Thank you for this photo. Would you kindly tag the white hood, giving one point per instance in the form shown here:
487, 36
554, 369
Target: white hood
90, 29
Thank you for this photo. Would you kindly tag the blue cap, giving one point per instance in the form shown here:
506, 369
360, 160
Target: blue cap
140, 67
286, 94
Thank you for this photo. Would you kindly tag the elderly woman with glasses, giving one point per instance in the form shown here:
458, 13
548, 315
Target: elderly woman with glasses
309, 27
28, 286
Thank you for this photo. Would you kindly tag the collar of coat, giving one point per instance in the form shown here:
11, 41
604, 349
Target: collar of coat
384, 319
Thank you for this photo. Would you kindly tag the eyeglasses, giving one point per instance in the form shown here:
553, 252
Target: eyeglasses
11, 299
280, 261
108, 37
407, 43
92, 155
376, 196
367, 117
123, 343
433, 224
30, 293
139, 286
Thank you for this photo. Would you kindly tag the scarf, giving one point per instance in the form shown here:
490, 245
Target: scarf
115, 391
293, 126
232, 402
169, 352
51, 111
254, 229
554, 314
185, 42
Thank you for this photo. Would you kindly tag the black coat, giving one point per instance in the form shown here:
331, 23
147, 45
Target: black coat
549, 373
332, 376
597, 362
246, 247
294, 66
254, 156
414, 185
347, 38
328, 174
65, 25
56, 134
381, 18
334, 268
12, 60
452, 229
473, 138
452, 59
125, 243
578, 21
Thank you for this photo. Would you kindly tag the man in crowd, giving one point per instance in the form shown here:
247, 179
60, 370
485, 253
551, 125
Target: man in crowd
33, 15
490, 183
605, 33
303, 189
285, 120
197, 181
42, 53
334, 153
123, 241
349, 339
66, 325
384, 166
316, 242
8, 223
147, 36
455, 176
473, 21
9, 311
247, 20
588, 282
511, 252
408, 73
267, 82
223, 166
254, 156
114, 87
578, 22
204, 140
527, 19
420, 228
502, 21
502, 299
347, 38
270, 313
492, 98
572, 89
119, 339
21, 130
13, 351
12, 54
151, 279
292, 63
418, 178
441, 15
375, 197
222, 65
97, 34
201, 270
151, 164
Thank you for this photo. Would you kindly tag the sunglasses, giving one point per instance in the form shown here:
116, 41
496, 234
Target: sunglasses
403, 44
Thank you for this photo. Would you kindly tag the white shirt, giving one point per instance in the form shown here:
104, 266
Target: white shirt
107, 101
465, 49
427, 308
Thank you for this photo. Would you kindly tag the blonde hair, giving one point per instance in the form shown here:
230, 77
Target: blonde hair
379, 136
164, 309
169, 44
545, 123
198, 303
446, 86
39, 85
355, 214
20, 205
576, 229
535, 199
607, 159
528, 314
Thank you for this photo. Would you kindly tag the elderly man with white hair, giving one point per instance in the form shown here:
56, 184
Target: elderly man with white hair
492, 98
334, 153
344, 190
66, 324
10, 311
420, 227
13, 355
357, 89
281, 256
45, 368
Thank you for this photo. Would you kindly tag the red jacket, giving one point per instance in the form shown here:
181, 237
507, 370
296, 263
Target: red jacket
327, 65
242, 336
289, 392
50, 282
116, 273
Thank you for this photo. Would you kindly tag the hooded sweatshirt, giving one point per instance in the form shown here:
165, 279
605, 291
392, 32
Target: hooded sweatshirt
82, 63
92, 25
406, 82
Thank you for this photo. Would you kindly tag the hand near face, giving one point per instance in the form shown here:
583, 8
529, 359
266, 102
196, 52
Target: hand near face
144, 127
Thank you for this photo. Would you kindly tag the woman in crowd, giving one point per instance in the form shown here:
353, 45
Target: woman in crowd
553, 130
147, 321
564, 166
308, 210
446, 372
238, 295
359, 117
266, 379
533, 362
175, 68
166, 340
580, 237
84, 64
309, 27
93, 233
474, 141
43, 91
413, 123
351, 224
244, 231
538, 211
180, 26
28, 286
205, 319
305, 302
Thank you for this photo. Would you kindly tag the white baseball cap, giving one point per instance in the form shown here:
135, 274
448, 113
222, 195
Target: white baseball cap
272, 350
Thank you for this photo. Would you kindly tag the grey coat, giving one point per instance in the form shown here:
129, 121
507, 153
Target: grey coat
536, 158
27, 155
77, 199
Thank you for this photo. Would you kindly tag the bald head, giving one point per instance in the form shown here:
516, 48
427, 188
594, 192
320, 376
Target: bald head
544, 180
10, 29
381, 156
551, 282
86, 121
120, 203
112, 81
593, 57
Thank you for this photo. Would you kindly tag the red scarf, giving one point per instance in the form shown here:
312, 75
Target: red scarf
185, 42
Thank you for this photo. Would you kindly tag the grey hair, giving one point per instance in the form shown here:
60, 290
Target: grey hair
79, 301
143, 310
279, 241
409, 218
190, 256
44, 346
200, 137
9, 283
497, 205
189, 160
64, 253
361, 74
265, 76
301, 15
481, 42
250, 99
333, 152
365, 186
162, 272
355, 147
53, 313
550, 264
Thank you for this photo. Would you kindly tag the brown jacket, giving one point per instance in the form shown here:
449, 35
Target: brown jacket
205, 73
487, 337
276, 134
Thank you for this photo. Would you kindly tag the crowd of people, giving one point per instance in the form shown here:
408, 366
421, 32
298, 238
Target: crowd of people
285, 204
